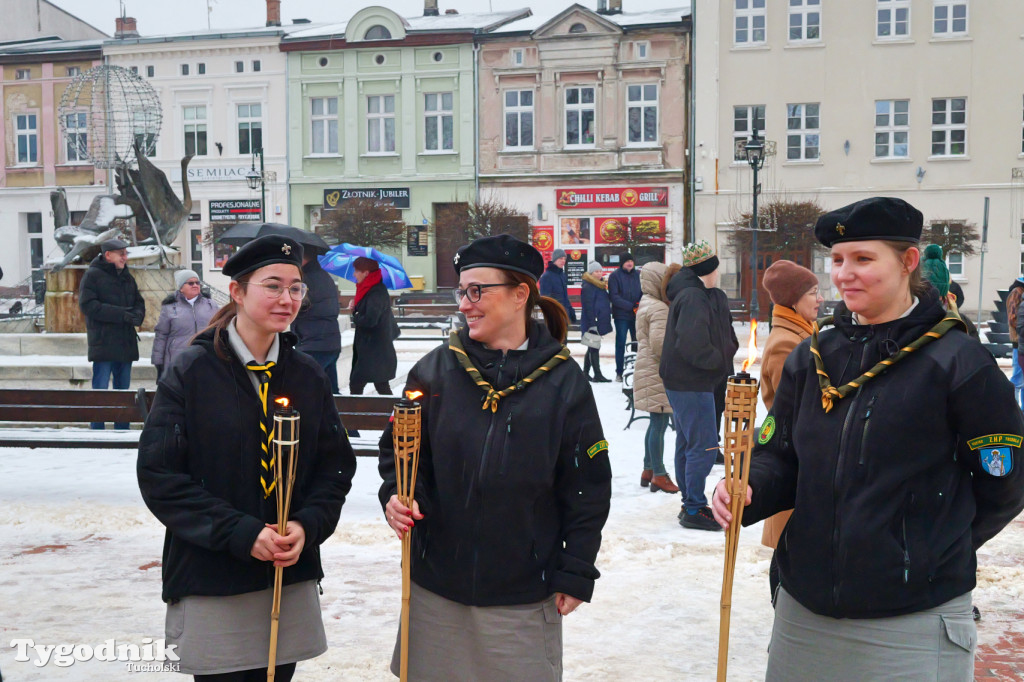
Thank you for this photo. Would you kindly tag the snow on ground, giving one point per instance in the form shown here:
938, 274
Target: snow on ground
79, 564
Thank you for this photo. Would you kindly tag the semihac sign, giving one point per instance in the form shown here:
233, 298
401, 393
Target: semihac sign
613, 197
396, 196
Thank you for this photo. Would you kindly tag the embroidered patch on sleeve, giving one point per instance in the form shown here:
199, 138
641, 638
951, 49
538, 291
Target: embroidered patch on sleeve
599, 446
767, 430
995, 452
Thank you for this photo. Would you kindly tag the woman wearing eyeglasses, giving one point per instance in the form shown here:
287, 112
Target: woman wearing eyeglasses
513, 486
205, 474
373, 349
182, 314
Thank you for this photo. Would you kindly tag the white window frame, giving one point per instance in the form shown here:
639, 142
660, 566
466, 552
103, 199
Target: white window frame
643, 104
749, 12
239, 67
519, 110
73, 71
22, 74
201, 69
641, 50
440, 115
893, 7
379, 119
945, 121
896, 124
517, 56
805, 131
955, 265
193, 126
949, 7
184, 70
750, 118
133, 69
77, 151
808, 14
150, 71
577, 110
139, 120
327, 135
257, 65
253, 122
30, 133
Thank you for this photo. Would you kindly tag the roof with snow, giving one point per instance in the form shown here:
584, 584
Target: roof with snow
444, 23
48, 47
215, 34
627, 20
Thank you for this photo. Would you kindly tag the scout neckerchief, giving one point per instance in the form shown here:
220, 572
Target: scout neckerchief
491, 397
830, 393
267, 461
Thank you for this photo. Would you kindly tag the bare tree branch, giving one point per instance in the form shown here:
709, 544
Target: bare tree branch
364, 222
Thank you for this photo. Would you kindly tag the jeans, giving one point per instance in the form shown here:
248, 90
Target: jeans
383, 388
1018, 379
654, 443
696, 443
329, 361
101, 375
621, 327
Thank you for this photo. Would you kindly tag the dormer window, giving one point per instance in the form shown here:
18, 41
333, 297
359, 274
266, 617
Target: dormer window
377, 32
578, 28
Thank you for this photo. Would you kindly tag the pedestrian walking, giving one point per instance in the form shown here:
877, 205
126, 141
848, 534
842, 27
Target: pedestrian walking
183, 314
625, 292
113, 307
699, 347
794, 293
203, 471
648, 389
316, 325
896, 440
510, 499
373, 349
596, 317
554, 283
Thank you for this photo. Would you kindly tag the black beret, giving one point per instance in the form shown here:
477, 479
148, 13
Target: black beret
874, 218
114, 244
263, 251
502, 251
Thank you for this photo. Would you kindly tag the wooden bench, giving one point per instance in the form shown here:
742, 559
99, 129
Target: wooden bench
46, 410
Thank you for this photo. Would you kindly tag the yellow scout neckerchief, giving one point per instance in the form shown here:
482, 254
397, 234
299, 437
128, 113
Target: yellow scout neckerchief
492, 397
267, 462
830, 393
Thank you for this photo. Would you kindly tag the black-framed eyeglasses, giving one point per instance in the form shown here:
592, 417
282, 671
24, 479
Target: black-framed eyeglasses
274, 289
192, 283
475, 291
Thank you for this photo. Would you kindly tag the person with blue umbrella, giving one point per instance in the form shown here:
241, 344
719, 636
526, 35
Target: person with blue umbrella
373, 349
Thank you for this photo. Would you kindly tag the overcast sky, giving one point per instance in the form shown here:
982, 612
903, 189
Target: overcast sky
178, 16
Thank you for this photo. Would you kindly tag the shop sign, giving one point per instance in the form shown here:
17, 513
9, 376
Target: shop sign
575, 266
396, 196
234, 210
416, 240
612, 197
202, 174
544, 240
644, 229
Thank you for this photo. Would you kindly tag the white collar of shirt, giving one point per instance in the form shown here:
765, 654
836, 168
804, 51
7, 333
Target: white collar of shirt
192, 301
856, 317
246, 356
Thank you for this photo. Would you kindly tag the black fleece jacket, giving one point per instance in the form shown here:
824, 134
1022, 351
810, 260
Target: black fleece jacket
891, 498
513, 501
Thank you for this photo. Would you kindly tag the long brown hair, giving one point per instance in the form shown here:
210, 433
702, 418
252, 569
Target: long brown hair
673, 268
555, 317
918, 287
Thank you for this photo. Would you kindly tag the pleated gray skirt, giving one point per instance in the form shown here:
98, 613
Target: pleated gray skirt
223, 634
935, 645
452, 642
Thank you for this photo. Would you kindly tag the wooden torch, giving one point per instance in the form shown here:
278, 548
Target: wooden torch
740, 409
286, 457
406, 436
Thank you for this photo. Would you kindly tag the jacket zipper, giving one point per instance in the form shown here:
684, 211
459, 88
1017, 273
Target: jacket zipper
906, 551
503, 462
836, 477
864, 432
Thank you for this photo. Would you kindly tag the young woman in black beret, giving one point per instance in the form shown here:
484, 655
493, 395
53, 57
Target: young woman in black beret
203, 472
514, 483
896, 440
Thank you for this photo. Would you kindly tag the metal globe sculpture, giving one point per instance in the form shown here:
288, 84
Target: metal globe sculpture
107, 111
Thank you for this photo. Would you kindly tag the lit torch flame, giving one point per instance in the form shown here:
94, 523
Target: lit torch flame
283, 402
413, 395
751, 345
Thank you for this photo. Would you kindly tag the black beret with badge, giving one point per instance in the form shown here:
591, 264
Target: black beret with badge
262, 252
501, 251
875, 218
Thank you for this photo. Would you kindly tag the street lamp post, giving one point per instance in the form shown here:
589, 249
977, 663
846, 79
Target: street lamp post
256, 179
755, 157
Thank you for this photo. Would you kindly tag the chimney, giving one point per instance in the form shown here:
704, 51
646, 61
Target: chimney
124, 27
430, 8
609, 6
273, 12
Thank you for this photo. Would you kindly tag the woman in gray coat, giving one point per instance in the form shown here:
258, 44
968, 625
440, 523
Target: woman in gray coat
183, 314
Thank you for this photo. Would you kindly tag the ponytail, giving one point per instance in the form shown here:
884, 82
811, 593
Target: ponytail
555, 316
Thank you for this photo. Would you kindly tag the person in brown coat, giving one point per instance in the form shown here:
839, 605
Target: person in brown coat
648, 391
794, 291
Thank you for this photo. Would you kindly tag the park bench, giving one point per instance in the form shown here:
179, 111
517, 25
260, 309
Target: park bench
40, 418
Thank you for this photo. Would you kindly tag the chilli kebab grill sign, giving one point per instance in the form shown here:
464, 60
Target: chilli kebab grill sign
612, 197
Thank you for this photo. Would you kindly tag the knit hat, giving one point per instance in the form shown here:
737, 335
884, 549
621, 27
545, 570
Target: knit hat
557, 253
182, 276
364, 264
594, 267
700, 258
625, 258
787, 282
934, 270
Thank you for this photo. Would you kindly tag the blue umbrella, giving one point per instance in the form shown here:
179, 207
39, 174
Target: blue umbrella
339, 260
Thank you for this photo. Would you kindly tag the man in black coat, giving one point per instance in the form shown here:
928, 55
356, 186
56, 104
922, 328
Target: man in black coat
113, 307
317, 322
625, 292
555, 284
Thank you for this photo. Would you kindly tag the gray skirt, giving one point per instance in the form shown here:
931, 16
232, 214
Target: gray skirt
223, 634
452, 642
935, 645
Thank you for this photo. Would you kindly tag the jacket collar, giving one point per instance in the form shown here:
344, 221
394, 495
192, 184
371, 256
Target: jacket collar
541, 346
101, 263
553, 268
599, 283
684, 279
903, 330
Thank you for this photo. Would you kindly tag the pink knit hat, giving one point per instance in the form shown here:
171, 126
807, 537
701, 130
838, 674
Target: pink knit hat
786, 282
